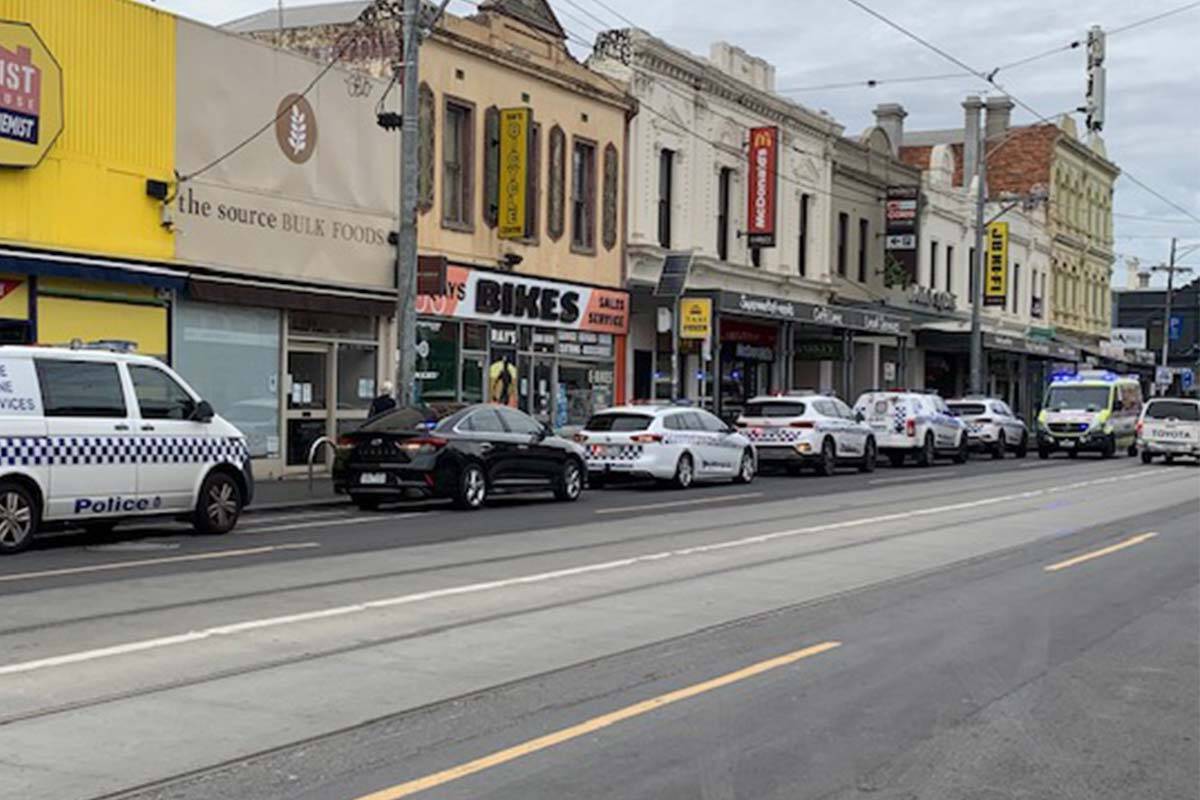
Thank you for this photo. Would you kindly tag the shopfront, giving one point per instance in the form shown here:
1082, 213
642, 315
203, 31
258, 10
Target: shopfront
552, 349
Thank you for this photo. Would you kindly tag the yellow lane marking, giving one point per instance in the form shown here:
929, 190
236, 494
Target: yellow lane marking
676, 503
145, 562
1104, 551
593, 725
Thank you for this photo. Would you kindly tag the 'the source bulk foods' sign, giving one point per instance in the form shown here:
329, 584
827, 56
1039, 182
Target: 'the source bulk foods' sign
764, 167
31, 96
514, 170
695, 318
995, 279
475, 294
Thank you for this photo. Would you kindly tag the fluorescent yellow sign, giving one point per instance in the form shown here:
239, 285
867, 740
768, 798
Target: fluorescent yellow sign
695, 318
514, 170
31, 96
995, 267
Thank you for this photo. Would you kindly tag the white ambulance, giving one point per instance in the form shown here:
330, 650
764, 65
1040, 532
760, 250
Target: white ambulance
89, 437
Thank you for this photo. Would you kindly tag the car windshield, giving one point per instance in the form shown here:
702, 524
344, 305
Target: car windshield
773, 408
1174, 409
401, 420
1077, 398
967, 409
618, 423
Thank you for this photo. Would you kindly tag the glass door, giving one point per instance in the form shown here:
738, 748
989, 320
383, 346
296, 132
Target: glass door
307, 387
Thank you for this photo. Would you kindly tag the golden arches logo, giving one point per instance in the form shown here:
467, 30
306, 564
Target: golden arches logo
764, 137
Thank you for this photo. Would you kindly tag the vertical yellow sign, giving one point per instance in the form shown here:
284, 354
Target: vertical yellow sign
995, 272
695, 318
514, 170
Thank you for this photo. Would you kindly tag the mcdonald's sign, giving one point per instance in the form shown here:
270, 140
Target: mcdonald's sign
763, 185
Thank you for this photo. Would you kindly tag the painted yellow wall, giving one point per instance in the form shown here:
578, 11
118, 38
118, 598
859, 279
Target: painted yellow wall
118, 61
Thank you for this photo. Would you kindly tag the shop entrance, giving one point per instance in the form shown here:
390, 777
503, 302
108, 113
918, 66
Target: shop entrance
307, 398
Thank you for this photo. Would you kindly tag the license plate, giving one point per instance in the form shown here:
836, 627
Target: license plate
597, 450
373, 478
1068, 444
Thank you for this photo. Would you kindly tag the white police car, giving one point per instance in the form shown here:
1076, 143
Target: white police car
90, 437
673, 444
797, 430
991, 425
917, 424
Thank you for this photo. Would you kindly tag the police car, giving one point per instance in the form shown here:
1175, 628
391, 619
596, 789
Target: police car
672, 444
991, 425
89, 437
916, 424
807, 429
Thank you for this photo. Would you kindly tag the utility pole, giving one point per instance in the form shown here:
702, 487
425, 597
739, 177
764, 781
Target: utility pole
977, 266
1166, 348
406, 244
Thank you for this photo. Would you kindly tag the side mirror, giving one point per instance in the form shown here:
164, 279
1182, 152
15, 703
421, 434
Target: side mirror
858, 416
544, 433
203, 412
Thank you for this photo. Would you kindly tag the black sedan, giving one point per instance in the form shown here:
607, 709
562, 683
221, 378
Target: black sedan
470, 455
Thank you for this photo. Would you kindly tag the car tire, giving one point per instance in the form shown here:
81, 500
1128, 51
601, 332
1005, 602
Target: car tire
1146, 457
896, 460
685, 472
471, 493
1168, 459
219, 505
1132, 450
998, 450
1110, 448
569, 485
963, 454
366, 503
826, 465
870, 457
19, 518
927, 453
1023, 447
1043, 453
745, 473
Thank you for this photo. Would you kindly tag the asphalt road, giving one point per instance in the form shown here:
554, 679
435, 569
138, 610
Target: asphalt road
1000, 629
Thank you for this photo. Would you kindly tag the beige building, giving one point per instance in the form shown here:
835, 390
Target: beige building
538, 321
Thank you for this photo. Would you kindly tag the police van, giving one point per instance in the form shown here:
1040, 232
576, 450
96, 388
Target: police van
89, 437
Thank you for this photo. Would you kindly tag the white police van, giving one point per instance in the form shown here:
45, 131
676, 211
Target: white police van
89, 437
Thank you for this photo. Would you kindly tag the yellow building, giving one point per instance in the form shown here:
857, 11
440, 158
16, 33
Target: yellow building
560, 356
79, 235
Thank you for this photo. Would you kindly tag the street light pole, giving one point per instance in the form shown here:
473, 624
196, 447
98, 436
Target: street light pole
977, 267
406, 244
1166, 344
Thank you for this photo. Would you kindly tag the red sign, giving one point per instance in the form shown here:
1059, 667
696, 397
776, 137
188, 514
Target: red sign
764, 166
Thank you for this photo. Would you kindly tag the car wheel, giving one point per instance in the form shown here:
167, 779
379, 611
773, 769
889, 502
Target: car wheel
1110, 448
999, 448
1168, 459
870, 457
472, 488
1043, 453
219, 506
18, 518
745, 472
1146, 457
963, 454
896, 459
1132, 450
570, 482
366, 503
685, 472
1023, 447
827, 464
926, 454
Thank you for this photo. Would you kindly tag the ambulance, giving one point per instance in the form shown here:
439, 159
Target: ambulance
1092, 410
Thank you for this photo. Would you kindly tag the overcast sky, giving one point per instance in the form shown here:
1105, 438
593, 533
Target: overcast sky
1153, 124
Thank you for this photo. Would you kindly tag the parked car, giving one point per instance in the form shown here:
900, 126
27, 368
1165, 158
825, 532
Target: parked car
467, 457
913, 424
991, 425
813, 430
1169, 427
672, 444
92, 437
1092, 410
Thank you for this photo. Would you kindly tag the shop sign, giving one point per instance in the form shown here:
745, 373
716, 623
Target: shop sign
787, 310
1129, 338
503, 336
514, 170
1033, 347
764, 170
695, 318
752, 352
924, 296
600, 377
476, 294
1145, 357
31, 96
829, 350
14, 298
296, 128
995, 279
901, 214
585, 343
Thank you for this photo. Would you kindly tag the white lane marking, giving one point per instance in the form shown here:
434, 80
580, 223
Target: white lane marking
676, 503
522, 580
906, 479
146, 562
363, 520
272, 519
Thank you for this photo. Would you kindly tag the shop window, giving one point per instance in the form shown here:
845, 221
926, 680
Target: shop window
666, 191
864, 232
584, 389
556, 201
80, 389
933, 250
724, 188
159, 396
583, 196
756, 256
610, 210
457, 146
437, 370
427, 117
356, 370
475, 336
949, 268
1016, 287
533, 182
491, 166
843, 232
802, 257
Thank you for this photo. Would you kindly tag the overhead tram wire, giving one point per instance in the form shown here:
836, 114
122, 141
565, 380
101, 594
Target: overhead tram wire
990, 80
1169, 13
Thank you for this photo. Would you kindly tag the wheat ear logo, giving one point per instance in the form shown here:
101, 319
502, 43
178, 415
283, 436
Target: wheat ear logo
296, 128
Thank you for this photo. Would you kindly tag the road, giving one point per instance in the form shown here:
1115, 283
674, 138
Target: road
999, 629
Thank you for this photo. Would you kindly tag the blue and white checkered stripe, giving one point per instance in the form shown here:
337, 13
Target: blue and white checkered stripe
47, 451
899, 417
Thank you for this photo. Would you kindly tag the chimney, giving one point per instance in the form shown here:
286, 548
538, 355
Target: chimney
890, 118
999, 115
971, 108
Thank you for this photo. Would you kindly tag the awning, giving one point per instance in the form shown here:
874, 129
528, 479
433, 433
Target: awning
247, 292
65, 265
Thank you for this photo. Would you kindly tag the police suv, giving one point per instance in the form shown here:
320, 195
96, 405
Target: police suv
917, 424
807, 429
89, 437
